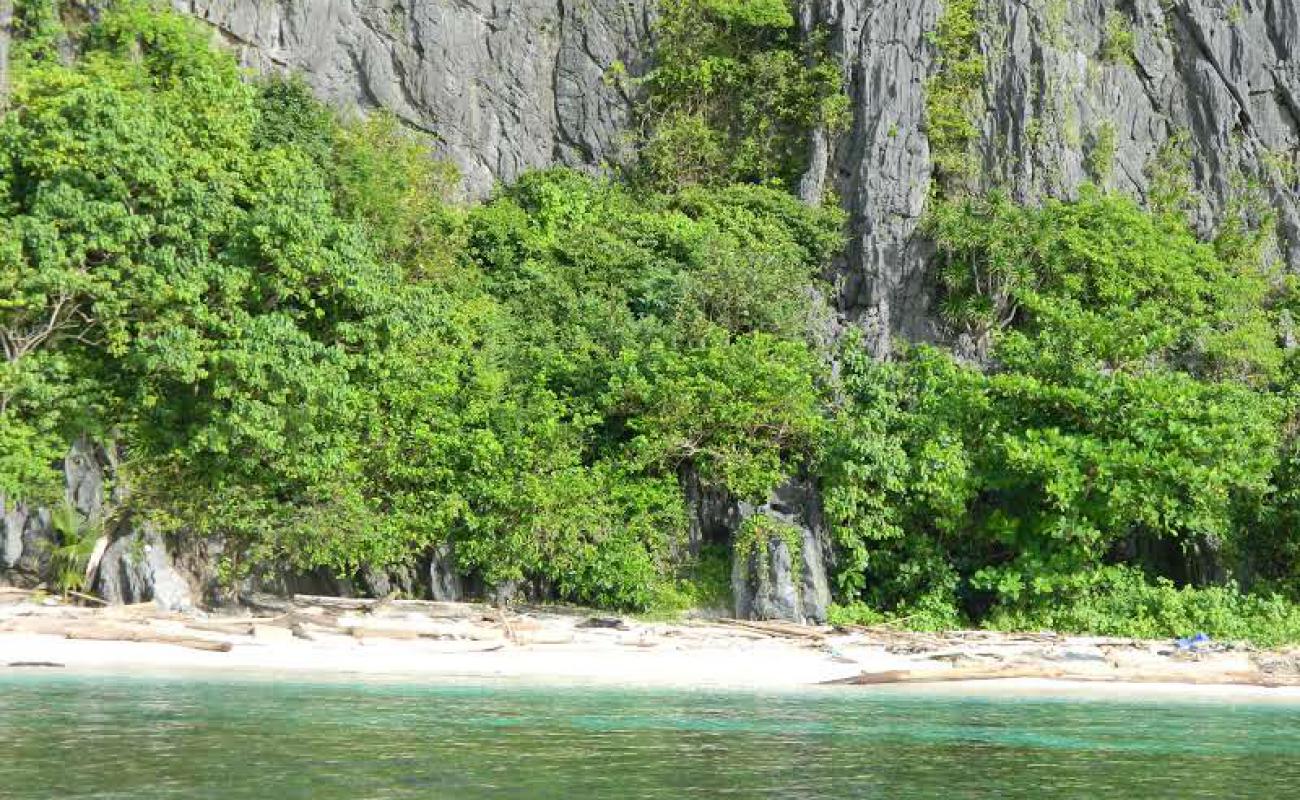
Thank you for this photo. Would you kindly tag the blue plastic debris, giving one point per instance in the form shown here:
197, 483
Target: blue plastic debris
1194, 642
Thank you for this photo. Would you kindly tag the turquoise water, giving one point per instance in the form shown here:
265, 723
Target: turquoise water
73, 737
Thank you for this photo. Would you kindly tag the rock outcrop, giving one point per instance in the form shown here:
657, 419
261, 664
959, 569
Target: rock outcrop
137, 565
778, 580
138, 568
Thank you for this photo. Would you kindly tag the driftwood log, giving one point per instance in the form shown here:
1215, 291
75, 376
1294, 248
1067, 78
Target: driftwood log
123, 634
919, 676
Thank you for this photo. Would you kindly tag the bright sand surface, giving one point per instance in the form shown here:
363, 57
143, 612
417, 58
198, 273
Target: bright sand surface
560, 649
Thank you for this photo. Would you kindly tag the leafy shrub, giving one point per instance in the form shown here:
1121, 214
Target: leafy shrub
1118, 601
1127, 407
735, 94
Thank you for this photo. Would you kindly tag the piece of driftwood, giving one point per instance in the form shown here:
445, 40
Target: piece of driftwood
123, 634
266, 602
383, 633
1224, 678
788, 630
505, 623
707, 628
336, 603
235, 627
544, 637
437, 609
92, 563
603, 623
945, 675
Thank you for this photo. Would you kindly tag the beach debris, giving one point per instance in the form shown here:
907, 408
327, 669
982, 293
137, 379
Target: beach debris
838, 655
789, 630
1042, 672
879, 654
1194, 644
124, 634
609, 623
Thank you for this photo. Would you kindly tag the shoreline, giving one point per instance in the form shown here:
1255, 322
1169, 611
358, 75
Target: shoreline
414, 643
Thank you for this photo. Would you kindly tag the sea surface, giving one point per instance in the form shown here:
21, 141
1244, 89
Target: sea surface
66, 736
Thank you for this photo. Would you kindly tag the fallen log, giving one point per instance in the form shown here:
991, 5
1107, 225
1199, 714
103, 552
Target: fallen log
441, 609
544, 637
336, 603
774, 628
241, 628
119, 634
911, 676
266, 602
944, 676
405, 634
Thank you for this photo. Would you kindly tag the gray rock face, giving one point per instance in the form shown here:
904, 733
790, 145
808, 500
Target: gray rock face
764, 584
775, 583
137, 568
772, 583
27, 534
504, 85
444, 582
13, 518
507, 86
27, 538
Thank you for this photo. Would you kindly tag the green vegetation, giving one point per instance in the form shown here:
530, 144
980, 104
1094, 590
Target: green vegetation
751, 543
1126, 427
1119, 44
301, 346
735, 95
952, 94
1101, 158
77, 538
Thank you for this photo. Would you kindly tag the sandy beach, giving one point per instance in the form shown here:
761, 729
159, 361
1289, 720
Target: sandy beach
334, 639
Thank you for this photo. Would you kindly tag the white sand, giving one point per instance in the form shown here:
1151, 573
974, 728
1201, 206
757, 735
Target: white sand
463, 643
766, 665
770, 664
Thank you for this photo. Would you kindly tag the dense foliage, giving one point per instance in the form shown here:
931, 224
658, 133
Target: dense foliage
303, 349
1124, 418
735, 93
